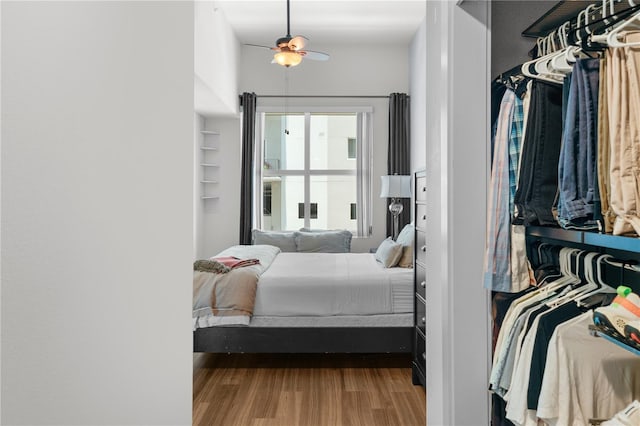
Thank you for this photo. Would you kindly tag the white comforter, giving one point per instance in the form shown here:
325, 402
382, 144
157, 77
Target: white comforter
322, 284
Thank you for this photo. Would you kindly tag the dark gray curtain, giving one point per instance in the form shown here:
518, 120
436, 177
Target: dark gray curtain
398, 152
248, 104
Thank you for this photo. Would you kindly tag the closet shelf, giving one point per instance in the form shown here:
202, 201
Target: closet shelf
209, 132
568, 10
206, 197
560, 13
208, 148
208, 181
583, 237
209, 165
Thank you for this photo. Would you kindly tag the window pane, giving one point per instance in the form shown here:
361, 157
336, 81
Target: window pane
286, 193
283, 142
334, 196
351, 148
313, 208
329, 147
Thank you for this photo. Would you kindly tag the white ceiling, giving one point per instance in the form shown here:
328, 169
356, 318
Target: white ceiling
325, 21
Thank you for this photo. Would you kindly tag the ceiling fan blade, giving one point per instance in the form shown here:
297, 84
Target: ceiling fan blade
297, 42
316, 56
259, 45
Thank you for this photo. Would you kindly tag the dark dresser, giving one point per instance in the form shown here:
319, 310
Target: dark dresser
419, 279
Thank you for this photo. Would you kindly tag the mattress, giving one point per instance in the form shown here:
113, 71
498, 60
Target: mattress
389, 320
329, 284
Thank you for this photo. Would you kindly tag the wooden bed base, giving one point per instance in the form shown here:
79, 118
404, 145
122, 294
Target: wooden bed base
303, 340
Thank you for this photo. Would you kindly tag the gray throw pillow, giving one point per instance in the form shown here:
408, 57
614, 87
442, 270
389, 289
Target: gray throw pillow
324, 242
284, 240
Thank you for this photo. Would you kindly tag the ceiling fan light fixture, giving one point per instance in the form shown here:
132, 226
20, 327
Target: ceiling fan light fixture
287, 58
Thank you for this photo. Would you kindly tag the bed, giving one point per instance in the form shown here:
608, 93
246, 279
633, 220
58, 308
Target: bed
307, 303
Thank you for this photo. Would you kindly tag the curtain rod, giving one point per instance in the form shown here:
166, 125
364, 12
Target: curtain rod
321, 96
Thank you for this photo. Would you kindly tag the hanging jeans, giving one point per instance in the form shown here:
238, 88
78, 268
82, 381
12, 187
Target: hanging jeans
578, 199
538, 181
624, 134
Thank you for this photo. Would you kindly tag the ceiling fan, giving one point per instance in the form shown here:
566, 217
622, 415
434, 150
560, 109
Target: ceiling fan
290, 50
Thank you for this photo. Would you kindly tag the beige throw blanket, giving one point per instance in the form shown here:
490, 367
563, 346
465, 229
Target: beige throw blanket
223, 296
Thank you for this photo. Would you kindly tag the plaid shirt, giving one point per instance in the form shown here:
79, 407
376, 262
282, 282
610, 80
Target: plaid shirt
504, 173
515, 144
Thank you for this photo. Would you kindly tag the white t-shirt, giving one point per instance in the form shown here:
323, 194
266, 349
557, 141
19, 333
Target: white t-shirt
585, 377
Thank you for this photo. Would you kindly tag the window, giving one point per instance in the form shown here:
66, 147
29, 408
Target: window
313, 214
266, 200
351, 148
302, 158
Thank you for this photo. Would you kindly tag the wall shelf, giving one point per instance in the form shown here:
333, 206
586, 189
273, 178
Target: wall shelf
209, 167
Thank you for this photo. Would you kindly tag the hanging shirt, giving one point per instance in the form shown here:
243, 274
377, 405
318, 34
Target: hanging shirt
497, 265
585, 376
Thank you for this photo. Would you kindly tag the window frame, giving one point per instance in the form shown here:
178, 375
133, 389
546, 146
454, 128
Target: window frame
363, 171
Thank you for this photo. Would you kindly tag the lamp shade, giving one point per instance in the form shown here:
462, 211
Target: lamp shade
395, 186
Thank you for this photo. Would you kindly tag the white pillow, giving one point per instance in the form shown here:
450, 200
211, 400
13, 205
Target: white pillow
388, 253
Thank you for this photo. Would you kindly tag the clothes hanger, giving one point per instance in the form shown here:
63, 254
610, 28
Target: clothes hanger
589, 285
540, 64
612, 37
614, 21
548, 259
602, 38
602, 287
564, 59
567, 277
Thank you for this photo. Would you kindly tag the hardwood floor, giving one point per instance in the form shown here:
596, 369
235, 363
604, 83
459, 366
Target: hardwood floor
305, 390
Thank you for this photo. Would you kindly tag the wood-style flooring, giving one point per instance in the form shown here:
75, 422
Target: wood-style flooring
305, 390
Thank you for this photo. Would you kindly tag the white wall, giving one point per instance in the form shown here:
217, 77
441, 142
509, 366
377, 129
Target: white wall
418, 93
352, 70
217, 52
97, 131
457, 134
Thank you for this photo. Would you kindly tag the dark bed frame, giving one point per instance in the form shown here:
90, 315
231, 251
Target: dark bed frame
303, 339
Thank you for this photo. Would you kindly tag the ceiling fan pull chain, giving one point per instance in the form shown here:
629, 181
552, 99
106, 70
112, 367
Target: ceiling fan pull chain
286, 99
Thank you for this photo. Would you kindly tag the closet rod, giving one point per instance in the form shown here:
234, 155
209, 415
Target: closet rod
322, 96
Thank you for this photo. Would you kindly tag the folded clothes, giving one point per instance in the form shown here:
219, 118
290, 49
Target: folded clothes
233, 262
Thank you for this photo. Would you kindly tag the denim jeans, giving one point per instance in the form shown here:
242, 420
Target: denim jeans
538, 181
578, 199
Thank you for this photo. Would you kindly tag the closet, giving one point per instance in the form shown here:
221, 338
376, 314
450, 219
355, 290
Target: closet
563, 247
